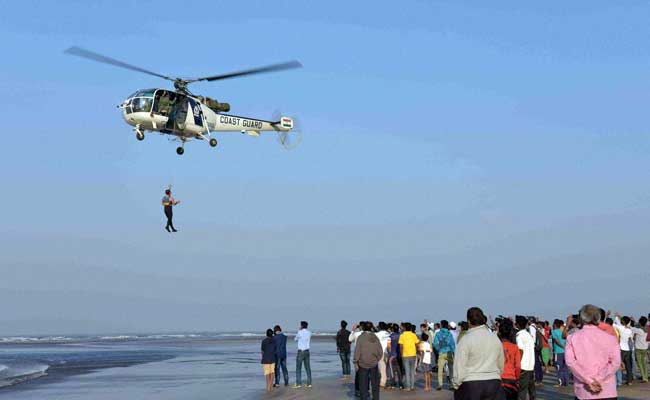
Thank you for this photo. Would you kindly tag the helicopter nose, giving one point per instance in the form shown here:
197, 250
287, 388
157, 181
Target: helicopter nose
124, 103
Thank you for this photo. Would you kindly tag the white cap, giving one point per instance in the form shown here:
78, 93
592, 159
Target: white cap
452, 325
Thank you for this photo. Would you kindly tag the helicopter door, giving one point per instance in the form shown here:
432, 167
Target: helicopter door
178, 113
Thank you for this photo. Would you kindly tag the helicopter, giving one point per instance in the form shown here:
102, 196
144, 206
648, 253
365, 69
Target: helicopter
187, 116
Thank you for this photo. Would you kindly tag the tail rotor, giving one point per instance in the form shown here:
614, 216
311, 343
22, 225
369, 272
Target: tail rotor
291, 138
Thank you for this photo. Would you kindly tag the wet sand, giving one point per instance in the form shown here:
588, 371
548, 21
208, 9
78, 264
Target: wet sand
338, 389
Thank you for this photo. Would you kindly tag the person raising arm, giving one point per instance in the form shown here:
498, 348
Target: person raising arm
168, 202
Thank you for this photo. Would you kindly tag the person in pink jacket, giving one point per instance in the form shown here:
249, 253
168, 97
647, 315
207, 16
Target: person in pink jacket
593, 356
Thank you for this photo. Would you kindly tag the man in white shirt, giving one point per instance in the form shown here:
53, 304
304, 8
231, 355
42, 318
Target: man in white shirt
526, 344
622, 326
303, 337
478, 361
356, 332
384, 338
532, 329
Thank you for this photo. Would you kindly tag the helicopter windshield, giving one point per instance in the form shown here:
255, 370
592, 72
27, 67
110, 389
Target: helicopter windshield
141, 104
140, 101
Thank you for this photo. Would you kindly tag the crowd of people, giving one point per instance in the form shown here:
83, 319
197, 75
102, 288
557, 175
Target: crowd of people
505, 358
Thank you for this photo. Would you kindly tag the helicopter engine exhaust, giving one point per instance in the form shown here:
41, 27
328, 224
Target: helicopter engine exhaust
223, 107
215, 105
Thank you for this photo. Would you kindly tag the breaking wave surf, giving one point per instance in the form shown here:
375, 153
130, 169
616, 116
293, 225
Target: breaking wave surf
18, 372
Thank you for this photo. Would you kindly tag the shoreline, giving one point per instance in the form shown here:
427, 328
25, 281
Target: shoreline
335, 388
60, 372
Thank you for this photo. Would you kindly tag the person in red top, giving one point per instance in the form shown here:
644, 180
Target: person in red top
512, 357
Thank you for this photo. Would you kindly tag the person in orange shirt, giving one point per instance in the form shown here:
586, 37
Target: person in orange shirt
512, 364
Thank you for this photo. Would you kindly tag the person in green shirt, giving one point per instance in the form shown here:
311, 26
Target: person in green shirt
559, 342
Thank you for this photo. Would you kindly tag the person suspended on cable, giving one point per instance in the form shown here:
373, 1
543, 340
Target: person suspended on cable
168, 203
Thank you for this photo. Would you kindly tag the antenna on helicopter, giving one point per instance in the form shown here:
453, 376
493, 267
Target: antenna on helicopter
179, 83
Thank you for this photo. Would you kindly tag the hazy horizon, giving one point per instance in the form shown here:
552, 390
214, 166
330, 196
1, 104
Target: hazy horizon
158, 296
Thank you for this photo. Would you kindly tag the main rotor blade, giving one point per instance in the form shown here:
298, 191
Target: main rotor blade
77, 51
269, 68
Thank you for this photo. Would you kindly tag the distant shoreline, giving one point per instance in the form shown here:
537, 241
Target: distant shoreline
17, 340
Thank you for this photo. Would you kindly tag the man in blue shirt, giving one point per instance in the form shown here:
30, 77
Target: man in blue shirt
445, 345
280, 340
394, 358
303, 337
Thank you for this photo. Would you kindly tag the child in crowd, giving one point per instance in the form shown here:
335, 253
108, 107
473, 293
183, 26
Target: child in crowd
425, 349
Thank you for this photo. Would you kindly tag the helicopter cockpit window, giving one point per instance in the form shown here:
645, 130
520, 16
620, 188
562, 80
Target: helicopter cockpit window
141, 104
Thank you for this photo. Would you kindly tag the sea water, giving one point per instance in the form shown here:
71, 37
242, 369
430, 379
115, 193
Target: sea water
178, 366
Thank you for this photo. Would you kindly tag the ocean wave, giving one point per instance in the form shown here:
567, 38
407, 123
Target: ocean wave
85, 339
118, 337
174, 336
151, 337
132, 337
15, 373
35, 339
239, 334
261, 334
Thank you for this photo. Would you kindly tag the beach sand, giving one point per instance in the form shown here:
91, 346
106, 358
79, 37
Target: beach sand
337, 389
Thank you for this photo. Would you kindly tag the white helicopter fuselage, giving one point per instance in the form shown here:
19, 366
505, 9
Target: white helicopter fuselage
194, 120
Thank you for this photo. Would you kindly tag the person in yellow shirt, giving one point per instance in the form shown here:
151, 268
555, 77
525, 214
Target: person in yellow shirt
408, 342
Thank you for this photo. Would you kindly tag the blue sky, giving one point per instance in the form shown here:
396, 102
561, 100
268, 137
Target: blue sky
442, 141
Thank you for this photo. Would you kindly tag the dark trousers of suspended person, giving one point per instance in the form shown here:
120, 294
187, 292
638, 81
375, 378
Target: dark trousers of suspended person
169, 214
